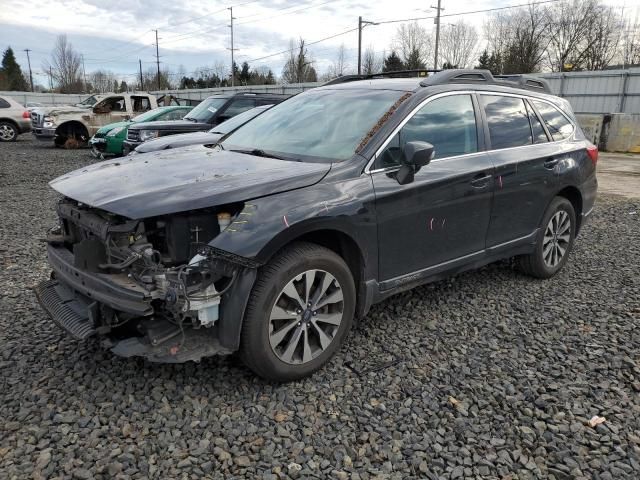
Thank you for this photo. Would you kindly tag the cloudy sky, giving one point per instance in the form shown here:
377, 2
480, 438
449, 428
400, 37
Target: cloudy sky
113, 35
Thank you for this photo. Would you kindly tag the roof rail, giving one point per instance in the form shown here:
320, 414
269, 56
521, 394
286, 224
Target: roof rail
423, 72
527, 82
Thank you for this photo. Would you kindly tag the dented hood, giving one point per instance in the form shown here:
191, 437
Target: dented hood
171, 181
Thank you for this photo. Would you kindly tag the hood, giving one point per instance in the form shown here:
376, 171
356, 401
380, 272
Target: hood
111, 126
179, 126
63, 110
176, 141
171, 181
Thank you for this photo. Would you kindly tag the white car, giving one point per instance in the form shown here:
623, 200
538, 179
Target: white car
14, 120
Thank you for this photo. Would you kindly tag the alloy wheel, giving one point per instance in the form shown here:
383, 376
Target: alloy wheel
7, 133
556, 239
306, 317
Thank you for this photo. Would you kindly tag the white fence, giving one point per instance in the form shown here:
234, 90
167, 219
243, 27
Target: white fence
608, 91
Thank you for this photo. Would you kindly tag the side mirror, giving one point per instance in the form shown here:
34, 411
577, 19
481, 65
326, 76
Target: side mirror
415, 155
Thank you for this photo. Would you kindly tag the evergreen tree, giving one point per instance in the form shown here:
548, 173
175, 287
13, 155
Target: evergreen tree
448, 66
244, 75
11, 77
393, 63
484, 61
270, 80
414, 60
123, 86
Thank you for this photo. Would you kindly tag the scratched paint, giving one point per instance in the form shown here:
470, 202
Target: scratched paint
500, 180
284, 219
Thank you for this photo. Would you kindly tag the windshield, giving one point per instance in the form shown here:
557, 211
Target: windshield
89, 102
329, 124
234, 122
147, 116
205, 109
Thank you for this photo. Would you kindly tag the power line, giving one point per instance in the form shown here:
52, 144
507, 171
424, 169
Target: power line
468, 13
287, 13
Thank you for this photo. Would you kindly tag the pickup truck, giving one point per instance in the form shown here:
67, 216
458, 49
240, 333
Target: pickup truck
73, 126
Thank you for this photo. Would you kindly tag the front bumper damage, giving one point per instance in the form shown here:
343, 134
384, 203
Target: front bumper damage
146, 320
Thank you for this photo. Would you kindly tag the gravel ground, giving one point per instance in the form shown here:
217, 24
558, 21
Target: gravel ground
487, 375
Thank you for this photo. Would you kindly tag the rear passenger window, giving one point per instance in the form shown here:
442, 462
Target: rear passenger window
557, 124
448, 123
4, 103
539, 136
508, 121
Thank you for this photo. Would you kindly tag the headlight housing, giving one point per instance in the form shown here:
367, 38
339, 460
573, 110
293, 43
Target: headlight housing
115, 131
48, 122
148, 134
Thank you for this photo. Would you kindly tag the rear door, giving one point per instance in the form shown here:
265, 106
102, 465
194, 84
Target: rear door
525, 162
443, 215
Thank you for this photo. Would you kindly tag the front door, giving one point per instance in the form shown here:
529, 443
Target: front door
443, 215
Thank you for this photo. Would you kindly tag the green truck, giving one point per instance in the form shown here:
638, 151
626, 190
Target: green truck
108, 139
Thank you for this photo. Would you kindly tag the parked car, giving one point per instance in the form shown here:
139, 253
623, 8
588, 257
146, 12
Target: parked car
271, 242
209, 113
14, 120
62, 124
209, 137
109, 139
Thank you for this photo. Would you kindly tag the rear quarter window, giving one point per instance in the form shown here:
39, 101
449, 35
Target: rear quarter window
4, 103
557, 124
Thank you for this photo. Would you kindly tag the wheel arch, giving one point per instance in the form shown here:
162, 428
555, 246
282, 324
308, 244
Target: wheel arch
11, 121
72, 126
574, 195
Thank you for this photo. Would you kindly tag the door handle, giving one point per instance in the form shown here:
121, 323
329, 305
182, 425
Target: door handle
551, 162
481, 180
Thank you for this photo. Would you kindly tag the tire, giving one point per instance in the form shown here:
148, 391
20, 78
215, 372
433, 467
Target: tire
8, 132
548, 259
280, 341
71, 136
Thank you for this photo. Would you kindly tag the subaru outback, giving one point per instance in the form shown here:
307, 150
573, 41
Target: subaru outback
272, 242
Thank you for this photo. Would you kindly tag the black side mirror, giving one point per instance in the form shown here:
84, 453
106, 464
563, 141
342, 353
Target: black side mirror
415, 155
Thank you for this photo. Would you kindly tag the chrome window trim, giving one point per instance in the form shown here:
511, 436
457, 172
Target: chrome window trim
369, 171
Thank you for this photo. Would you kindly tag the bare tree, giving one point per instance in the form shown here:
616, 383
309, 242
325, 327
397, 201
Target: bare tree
630, 45
412, 42
339, 66
298, 67
570, 23
458, 44
65, 66
101, 81
518, 39
602, 39
370, 62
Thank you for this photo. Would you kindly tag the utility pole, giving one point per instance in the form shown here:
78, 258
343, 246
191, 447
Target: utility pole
232, 49
361, 24
141, 80
84, 73
50, 78
157, 59
437, 22
29, 62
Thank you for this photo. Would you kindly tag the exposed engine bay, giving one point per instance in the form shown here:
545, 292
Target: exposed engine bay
169, 281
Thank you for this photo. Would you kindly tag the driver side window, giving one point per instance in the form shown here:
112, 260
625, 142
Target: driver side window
448, 123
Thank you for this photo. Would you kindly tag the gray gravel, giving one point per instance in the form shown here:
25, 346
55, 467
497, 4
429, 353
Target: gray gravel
487, 375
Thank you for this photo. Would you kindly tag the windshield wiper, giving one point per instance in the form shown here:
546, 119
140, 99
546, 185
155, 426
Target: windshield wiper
259, 153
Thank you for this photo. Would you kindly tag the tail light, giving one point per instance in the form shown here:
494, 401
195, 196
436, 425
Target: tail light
26, 114
592, 151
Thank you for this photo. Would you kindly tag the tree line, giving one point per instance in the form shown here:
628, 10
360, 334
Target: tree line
569, 35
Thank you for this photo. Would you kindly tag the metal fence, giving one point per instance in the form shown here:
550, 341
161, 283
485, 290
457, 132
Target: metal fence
609, 91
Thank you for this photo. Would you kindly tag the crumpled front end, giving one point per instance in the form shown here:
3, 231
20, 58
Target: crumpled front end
152, 288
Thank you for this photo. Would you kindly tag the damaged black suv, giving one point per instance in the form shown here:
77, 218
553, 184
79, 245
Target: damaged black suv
273, 241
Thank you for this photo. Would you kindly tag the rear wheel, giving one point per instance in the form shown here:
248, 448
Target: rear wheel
8, 132
299, 312
71, 136
554, 242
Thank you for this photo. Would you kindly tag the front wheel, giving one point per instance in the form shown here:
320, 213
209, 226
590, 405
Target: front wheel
8, 132
554, 242
299, 313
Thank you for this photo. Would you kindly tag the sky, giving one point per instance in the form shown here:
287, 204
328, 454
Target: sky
114, 35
